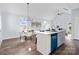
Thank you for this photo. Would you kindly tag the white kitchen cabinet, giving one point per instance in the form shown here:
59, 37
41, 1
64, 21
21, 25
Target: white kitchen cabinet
61, 38
43, 43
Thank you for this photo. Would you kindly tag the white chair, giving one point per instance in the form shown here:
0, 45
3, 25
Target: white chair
23, 33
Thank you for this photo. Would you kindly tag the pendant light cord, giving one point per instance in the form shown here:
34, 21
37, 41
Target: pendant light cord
27, 9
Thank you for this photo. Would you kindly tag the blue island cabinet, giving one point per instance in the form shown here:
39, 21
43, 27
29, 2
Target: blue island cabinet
53, 41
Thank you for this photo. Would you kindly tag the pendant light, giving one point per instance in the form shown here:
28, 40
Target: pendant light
27, 9
28, 12
29, 20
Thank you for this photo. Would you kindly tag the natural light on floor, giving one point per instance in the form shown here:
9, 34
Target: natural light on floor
68, 37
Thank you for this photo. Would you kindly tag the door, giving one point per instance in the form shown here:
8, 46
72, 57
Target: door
53, 41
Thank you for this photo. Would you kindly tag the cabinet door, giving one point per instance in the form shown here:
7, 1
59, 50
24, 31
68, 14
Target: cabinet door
53, 41
61, 38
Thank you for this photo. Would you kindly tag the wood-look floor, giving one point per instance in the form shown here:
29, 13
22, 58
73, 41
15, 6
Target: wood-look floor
16, 47
71, 47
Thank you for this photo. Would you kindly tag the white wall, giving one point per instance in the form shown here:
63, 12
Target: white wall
0, 23
75, 24
10, 25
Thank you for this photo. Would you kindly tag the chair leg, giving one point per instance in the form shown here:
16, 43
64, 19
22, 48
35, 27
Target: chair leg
36, 41
25, 37
20, 37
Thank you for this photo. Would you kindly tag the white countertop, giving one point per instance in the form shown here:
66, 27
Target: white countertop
48, 32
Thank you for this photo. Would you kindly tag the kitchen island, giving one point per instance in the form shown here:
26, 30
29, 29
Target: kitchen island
49, 41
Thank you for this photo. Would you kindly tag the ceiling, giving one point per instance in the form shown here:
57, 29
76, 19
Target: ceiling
36, 9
